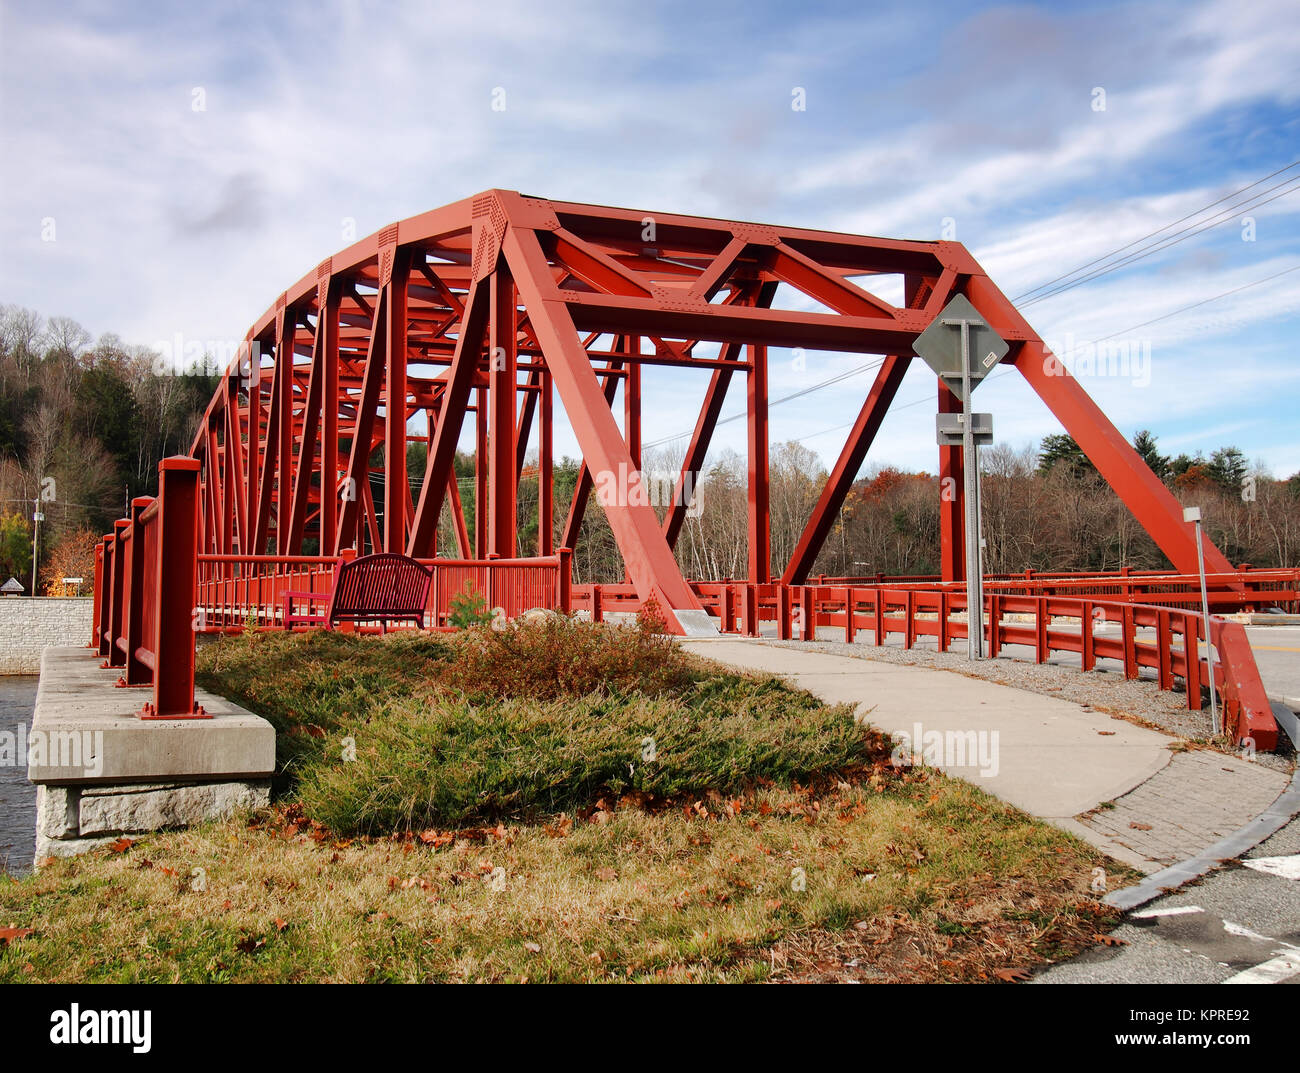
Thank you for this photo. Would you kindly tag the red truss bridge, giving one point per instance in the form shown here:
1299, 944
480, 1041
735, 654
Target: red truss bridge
495, 309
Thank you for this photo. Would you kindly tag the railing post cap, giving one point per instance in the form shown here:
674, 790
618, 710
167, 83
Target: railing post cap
179, 462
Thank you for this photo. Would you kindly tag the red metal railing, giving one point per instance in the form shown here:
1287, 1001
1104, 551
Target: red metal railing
238, 591
1244, 589
144, 587
235, 592
1169, 640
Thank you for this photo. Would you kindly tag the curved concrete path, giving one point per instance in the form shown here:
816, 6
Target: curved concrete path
1055, 759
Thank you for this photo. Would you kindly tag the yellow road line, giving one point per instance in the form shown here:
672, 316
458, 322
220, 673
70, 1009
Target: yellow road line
1273, 648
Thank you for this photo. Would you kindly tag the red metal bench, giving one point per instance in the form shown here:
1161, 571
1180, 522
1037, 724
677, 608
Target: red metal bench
380, 588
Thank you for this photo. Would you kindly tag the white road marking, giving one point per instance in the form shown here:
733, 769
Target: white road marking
1173, 911
1284, 964
1273, 971
1246, 933
1285, 867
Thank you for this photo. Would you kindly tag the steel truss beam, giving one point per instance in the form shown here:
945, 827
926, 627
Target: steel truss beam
501, 305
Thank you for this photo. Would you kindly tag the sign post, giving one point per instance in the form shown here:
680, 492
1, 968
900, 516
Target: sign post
1193, 514
962, 359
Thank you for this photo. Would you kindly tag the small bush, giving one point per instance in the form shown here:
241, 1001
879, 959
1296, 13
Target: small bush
468, 608
561, 657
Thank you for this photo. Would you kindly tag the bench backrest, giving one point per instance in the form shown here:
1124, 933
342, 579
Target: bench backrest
385, 583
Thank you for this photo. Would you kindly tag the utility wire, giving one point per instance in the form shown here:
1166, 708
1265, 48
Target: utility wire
1157, 231
1174, 239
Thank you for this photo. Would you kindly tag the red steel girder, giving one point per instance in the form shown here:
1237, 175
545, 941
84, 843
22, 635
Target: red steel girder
523, 302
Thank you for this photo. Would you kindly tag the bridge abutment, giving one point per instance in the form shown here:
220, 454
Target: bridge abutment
102, 772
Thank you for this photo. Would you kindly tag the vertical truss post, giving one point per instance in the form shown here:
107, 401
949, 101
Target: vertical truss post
632, 401
504, 472
329, 427
760, 519
545, 490
480, 473
253, 456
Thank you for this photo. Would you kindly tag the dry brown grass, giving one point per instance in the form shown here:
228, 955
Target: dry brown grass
909, 876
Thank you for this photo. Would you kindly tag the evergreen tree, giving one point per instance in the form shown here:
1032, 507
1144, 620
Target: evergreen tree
1145, 445
1226, 468
1060, 450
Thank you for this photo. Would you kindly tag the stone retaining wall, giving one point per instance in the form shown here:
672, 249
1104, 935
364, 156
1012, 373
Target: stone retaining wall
28, 624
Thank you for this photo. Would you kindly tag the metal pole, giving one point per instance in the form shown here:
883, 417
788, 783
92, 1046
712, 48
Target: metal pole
36, 529
1205, 611
970, 482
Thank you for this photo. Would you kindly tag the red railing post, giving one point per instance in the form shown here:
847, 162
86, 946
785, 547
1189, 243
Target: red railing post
175, 573
1130, 641
117, 598
566, 581
1088, 657
137, 673
1164, 642
98, 595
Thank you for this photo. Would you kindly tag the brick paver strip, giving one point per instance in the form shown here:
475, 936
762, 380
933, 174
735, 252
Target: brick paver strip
1199, 798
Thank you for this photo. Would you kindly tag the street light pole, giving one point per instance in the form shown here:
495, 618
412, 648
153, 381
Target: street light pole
36, 530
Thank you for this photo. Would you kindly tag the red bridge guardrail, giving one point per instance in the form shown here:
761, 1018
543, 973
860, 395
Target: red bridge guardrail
240, 591
1166, 639
144, 593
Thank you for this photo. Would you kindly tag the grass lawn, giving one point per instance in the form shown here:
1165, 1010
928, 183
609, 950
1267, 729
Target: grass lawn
559, 802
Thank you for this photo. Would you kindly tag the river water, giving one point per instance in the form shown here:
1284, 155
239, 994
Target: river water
17, 795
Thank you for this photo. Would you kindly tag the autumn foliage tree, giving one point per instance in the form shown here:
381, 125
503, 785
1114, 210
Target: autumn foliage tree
73, 556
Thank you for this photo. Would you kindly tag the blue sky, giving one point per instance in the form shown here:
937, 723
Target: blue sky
173, 220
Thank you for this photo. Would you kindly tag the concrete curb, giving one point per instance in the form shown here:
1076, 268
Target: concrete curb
1242, 840
1284, 714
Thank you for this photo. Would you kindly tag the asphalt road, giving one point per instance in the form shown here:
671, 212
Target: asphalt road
1241, 924
1277, 654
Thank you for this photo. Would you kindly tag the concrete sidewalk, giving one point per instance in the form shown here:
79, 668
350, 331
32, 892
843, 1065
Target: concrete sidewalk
1118, 786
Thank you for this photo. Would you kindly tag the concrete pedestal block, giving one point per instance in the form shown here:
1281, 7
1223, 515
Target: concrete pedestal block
101, 772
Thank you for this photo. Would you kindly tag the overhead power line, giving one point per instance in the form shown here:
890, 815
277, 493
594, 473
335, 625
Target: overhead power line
1113, 261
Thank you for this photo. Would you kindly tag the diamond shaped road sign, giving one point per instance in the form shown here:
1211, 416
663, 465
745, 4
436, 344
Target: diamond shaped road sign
940, 344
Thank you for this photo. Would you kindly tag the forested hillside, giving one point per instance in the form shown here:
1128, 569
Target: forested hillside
83, 424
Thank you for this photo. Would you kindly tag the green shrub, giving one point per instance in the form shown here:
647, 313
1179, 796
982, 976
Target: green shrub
468, 608
456, 730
